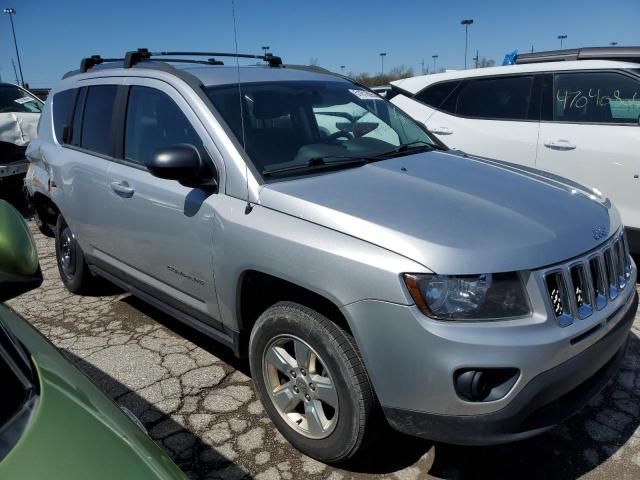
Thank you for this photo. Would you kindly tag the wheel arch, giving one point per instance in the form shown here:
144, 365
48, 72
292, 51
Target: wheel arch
258, 290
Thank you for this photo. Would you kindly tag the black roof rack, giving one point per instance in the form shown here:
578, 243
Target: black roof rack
131, 58
141, 54
589, 53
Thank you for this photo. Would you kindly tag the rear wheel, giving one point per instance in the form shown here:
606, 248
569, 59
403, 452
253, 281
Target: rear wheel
311, 380
73, 269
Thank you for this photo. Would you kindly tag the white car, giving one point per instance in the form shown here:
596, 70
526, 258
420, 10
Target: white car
571, 112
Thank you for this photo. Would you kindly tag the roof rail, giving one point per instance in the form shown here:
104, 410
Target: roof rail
133, 57
589, 53
93, 60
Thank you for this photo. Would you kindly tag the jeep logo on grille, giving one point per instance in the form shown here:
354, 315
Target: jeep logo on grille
600, 232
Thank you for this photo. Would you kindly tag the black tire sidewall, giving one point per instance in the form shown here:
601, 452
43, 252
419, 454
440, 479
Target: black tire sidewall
339, 445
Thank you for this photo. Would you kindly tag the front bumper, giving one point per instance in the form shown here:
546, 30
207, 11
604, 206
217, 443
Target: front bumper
14, 168
544, 402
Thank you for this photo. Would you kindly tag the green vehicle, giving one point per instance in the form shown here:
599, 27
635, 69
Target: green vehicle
54, 422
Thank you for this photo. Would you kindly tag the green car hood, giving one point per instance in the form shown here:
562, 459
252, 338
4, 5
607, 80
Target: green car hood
76, 432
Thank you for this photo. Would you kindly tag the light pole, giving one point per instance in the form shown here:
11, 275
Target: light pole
561, 38
434, 62
476, 58
11, 12
342, 69
382, 55
466, 24
613, 44
422, 67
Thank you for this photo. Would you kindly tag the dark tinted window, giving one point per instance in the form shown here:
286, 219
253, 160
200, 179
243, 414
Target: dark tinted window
435, 95
76, 124
154, 121
496, 98
62, 106
596, 97
96, 123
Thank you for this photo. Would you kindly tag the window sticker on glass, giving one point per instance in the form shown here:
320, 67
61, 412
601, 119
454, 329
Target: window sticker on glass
365, 94
23, 100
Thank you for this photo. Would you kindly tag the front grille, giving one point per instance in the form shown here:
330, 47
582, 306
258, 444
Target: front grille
589, 283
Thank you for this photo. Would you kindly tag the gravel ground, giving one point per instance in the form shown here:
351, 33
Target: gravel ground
197, 402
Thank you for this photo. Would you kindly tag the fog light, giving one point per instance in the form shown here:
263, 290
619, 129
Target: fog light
484, 384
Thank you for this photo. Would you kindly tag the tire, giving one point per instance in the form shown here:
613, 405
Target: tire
73, 269
339, 433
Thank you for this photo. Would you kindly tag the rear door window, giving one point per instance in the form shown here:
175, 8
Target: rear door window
504, 98
97, 119
596, 97
154, 121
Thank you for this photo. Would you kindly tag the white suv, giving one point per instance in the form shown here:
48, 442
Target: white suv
571, 112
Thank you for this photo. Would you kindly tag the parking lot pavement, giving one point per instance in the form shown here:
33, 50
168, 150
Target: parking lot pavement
197, 402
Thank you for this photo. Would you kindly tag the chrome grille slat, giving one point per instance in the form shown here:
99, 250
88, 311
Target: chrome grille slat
581, 287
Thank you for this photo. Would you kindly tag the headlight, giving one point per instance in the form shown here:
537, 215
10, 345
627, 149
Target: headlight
488, 296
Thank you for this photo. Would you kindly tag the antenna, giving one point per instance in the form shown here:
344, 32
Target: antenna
248, 208
15, 71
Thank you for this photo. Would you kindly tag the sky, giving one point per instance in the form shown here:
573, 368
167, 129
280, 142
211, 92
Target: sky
53, 36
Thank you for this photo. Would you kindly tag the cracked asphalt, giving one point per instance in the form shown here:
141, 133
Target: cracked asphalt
198, 403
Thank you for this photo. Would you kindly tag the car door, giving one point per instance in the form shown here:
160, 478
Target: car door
79, 165
592, 135
491, 117
165, 242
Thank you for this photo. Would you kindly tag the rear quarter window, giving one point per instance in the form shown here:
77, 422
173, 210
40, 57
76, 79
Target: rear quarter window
62, 106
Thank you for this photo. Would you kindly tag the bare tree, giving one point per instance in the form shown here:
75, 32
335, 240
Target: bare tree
484, 62
395, 73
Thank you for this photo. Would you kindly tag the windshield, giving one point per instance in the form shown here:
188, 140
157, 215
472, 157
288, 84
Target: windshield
295, 123
14, 99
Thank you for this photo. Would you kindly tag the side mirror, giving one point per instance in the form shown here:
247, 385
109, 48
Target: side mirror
181, 162
19, 267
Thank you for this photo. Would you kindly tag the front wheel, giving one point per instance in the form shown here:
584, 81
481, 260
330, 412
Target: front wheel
310, 378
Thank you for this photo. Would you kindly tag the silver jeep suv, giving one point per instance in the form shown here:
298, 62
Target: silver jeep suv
367, 272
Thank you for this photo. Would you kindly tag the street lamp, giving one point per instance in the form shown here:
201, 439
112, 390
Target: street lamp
11, 12
561, 38
434, 62
342, 69
382, 55
613, 44
466, 24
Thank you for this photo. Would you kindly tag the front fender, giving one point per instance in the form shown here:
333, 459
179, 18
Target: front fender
341, 268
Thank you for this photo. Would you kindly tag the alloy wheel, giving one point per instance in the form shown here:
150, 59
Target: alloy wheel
300, 386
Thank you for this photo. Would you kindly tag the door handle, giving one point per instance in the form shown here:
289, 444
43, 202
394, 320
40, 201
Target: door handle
122, 188
560, 145
441, 130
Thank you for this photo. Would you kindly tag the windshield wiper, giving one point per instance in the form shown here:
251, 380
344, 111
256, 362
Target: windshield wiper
411, 147
317, 163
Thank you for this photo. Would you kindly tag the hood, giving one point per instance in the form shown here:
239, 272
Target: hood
452, 214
